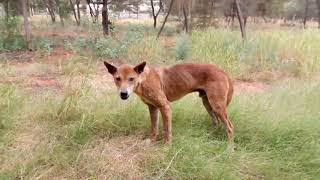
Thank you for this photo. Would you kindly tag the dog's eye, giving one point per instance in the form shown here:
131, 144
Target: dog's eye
118, 78
131, 79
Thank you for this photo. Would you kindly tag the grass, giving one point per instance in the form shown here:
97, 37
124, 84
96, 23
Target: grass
11, 102
264, 55
82, 130
274, 139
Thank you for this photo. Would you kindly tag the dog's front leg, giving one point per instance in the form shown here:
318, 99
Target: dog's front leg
167, 121
154, 112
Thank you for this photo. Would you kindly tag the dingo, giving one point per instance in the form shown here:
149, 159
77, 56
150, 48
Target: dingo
157, 87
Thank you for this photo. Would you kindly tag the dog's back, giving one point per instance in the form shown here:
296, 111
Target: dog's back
182, 79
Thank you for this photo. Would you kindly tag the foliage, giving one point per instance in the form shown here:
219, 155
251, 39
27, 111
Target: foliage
2, 37
45, 44
12, 38
107, 47
182, 47
77, 45
65, 9
169, 31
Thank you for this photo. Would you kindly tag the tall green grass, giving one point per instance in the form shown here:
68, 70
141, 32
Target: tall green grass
276, 135
11, 102
264, 55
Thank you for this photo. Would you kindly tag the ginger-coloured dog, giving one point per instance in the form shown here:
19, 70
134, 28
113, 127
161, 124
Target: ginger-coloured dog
157, 87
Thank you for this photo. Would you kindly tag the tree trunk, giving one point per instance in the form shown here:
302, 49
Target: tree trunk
26, 24
165, 19
190, 15
78, 11
185, 17
74, 13
105, 17
59, 11
211, 13
31, 9
241, 20
96, 7
6, 9
154, 14
91, 11
50, 9
305, 18
318, 4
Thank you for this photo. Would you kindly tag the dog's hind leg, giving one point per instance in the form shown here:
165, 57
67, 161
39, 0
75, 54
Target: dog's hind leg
218, 103
206, 104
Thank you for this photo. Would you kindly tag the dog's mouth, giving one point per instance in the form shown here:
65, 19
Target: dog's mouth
124, 97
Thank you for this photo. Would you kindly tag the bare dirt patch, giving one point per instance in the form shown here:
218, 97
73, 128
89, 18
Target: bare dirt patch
17, 56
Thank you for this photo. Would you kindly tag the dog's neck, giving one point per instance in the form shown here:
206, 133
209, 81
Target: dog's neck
142, 78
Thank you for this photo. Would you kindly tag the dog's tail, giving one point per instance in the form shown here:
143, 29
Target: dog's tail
230, 91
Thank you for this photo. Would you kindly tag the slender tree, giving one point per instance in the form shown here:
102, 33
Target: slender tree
27, 30
50, 7
166, 18
105, 17
59, 11
154, 13
318, 4
76, 14
241, 20
306, 12
185, 16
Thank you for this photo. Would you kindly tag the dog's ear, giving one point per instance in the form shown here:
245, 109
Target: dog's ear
112, 69
140, 67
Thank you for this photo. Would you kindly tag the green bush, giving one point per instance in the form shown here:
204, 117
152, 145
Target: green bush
112, 48
182, 47
169, 31
15, 42
65, 9
2, 40
45, 44
12, 38
76, 45
107, 47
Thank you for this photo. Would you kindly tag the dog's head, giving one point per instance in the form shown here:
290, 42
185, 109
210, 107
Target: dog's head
126, 77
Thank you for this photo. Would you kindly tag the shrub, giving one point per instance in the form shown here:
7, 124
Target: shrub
76, 45
12, 39
107, 47
45, 44
182, 47
169, 31
2, 40
147, 49
112, 48
15, 42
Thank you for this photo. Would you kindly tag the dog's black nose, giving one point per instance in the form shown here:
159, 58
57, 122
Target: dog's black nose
124, 95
